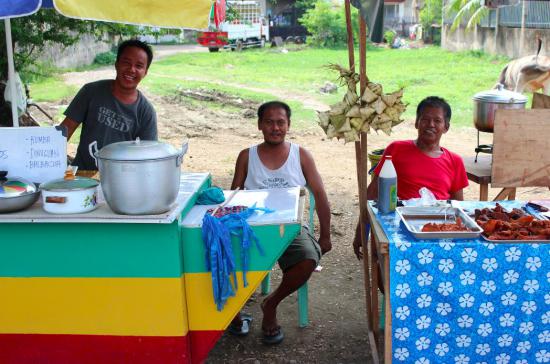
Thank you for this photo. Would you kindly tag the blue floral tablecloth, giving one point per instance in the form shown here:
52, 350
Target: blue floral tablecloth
468, 301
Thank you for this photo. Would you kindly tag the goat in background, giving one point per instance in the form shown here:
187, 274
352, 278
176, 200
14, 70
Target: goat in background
529, 73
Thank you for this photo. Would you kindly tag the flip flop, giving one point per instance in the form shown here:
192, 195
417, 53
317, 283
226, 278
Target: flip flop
244, 329
274, 339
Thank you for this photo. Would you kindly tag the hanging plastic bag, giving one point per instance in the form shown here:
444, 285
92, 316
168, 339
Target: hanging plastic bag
220, 260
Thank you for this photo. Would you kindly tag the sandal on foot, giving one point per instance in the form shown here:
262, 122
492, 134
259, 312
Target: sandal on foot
245, 327
274, 338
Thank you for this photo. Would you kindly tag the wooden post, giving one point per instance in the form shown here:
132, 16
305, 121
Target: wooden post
361, 158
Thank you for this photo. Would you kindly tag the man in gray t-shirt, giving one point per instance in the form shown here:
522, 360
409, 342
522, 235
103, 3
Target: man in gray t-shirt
113, 110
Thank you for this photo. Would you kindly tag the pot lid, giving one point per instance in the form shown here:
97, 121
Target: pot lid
66, 185
500, 95
14, 186
137, 150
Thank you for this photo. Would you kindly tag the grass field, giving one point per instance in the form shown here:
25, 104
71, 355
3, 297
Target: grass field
423, 72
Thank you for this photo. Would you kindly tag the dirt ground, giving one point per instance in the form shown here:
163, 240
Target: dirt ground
337, 332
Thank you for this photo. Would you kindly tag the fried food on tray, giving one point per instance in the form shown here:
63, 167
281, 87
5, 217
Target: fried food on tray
435, 227
498, 224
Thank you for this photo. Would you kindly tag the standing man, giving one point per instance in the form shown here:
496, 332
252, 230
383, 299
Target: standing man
276, 163
113, 110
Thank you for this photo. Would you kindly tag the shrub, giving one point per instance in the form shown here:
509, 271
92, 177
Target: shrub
105, 58
389, 36
327, 24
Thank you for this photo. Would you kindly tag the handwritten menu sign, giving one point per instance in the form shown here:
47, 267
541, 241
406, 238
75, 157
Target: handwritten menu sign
38, 154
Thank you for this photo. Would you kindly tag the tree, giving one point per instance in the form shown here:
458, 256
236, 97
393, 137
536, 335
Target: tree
327, 24
31, 34
431, 13
473, 10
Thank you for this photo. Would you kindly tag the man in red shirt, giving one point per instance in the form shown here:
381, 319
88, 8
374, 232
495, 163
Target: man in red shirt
423, 162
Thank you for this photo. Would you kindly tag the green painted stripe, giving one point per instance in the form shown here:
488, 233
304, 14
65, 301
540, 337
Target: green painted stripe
90, 250
270, 240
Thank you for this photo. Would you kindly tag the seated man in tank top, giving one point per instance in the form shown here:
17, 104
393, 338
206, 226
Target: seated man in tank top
276, 163
423, 162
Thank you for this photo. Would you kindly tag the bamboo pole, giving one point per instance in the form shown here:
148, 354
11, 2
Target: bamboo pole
363, 177
360, 158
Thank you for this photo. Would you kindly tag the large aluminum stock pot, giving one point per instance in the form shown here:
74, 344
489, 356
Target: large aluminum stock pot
487, 102
139, 177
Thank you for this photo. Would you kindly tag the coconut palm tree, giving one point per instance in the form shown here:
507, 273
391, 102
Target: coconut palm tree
475, 10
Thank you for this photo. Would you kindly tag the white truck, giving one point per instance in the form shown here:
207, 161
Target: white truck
244, 26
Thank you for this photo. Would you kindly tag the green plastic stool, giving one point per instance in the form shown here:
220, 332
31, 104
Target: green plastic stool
303, 316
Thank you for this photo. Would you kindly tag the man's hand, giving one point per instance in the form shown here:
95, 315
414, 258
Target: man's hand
325, 244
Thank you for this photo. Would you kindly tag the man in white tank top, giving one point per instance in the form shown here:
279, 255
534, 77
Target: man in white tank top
276, 163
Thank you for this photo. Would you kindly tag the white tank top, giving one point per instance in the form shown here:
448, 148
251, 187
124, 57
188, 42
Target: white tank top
288, 175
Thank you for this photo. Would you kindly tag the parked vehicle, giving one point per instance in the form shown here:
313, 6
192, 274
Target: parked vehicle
240, 25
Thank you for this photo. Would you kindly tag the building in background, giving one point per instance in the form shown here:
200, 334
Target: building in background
400, 15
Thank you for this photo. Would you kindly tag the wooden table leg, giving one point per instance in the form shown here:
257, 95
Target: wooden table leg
375, 278
508, 192
387, 326
483, 192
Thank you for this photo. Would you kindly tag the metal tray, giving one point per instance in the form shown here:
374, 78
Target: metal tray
530, 211
515, 241
415, 217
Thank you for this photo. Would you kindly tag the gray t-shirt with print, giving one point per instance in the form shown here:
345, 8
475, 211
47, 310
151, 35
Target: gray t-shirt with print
106, 120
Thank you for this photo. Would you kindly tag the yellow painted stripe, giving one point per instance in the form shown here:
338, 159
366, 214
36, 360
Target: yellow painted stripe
163, 13
202, 311
95, 306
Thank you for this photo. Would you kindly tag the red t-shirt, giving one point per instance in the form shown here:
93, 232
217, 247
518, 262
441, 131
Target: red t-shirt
442, 175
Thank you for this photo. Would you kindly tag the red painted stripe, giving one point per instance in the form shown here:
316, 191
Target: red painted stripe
93, 349
201, 344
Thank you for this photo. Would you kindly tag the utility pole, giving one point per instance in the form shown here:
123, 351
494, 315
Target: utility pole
522, 32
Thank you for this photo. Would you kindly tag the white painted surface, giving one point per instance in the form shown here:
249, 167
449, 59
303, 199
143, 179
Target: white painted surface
284, 202
189, 185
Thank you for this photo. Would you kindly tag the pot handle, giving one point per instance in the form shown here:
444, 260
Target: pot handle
56, 199
184, 148
91, 148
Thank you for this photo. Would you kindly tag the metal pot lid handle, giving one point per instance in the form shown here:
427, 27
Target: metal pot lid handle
92, 149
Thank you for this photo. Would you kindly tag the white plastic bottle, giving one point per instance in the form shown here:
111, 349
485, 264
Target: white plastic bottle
387, 187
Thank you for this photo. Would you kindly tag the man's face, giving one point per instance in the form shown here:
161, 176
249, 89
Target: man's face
431, 125
274, 125
131, 67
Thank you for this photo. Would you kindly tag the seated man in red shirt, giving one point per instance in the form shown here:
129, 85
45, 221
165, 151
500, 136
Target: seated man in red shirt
423, 162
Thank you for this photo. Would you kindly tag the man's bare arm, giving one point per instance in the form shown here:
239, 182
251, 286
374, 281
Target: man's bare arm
241, 170
71, 126
458, 195
315, 183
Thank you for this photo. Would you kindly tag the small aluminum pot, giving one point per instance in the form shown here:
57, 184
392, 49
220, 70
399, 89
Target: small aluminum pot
487, 102
139, 177
70, 196
16, 193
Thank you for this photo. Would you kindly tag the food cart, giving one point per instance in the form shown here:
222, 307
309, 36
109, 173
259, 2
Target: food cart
106, 288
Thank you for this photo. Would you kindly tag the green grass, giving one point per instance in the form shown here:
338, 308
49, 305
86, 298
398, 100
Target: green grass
266, 74
51, 89
423, 72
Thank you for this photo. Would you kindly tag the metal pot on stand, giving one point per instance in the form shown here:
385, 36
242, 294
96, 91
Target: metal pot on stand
487, 102
139, 177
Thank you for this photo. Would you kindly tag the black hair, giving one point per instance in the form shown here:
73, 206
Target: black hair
138, 44
437, 102
274, 104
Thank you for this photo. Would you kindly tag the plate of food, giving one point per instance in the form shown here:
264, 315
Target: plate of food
438, 222
511, 226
